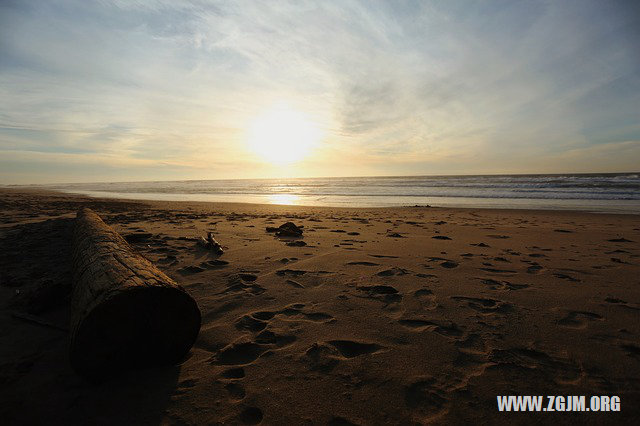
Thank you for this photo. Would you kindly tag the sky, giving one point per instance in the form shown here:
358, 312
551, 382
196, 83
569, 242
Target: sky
167, 90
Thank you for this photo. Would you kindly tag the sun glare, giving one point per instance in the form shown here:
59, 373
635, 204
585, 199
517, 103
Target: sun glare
282, 135
287, 199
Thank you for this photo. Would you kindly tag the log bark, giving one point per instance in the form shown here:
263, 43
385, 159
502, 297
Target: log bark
125, 313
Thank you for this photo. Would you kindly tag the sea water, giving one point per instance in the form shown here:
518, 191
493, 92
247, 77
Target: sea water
611, 192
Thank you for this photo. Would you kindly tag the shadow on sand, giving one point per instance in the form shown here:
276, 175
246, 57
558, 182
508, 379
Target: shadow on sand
37, 384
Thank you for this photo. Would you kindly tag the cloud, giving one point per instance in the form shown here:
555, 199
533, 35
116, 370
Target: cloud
402, 87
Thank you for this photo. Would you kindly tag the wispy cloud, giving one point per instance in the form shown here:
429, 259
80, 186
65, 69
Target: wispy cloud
167, 89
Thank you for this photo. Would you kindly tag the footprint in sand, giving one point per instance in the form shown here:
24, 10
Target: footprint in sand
294, 284
268, 337
236, 391
428, 276
502, 285
512, 286
423, 292
616, 251
534, 269
485, 305
567, 277
325, 357
450, 329
378, 289
426, 298
239, 353
250, 323
237, 285
294, 310
425, 398
321, 357
392, 271
248, 277
352, 349
517, 362
251, 416
245, 352
168, 260
498, 271
473, 344
618, 260
622, 303
214, 264
290, 272
190, 270
263, 315
579, 319
318, 317
233, 373
537, 255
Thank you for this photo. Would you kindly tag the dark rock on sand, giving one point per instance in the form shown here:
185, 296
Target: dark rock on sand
288, 229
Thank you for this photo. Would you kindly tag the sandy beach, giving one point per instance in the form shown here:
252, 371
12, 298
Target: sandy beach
376, 316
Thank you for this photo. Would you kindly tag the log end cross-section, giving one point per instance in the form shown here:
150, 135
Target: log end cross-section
125, 312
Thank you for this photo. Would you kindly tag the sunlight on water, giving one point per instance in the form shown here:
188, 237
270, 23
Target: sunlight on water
287, 199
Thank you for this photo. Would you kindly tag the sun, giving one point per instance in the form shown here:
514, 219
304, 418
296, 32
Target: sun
282, 135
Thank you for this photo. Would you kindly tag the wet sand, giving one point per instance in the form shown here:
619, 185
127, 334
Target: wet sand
376, 316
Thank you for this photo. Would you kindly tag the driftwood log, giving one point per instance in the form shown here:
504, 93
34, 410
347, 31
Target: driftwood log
125, 313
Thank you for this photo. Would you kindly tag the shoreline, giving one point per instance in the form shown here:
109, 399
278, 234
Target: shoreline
601, 193
154, 202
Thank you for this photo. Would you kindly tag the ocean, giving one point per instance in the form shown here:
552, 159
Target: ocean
611, 192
